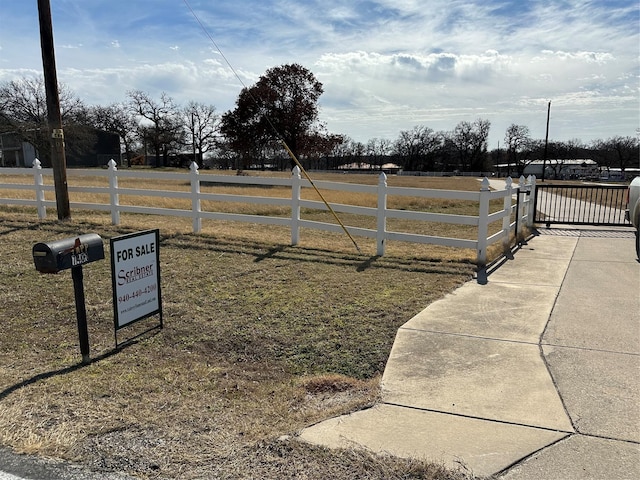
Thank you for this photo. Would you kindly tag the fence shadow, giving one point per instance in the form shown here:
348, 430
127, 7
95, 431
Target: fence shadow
66, 370
264, 251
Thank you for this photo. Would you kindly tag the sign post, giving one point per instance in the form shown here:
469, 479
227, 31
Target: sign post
135, 273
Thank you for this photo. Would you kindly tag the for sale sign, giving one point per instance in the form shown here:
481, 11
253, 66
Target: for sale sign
135, 273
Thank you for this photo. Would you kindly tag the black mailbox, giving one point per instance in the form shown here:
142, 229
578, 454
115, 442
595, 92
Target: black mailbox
71, 252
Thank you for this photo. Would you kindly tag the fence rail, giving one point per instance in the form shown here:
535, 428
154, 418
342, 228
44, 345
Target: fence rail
516, 204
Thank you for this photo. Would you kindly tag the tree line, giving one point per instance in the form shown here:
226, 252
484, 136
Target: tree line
282, 107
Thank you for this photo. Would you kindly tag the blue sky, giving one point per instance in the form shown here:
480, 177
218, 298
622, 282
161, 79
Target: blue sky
386, 65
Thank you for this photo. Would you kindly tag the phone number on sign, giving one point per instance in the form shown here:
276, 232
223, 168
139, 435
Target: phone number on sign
133, 295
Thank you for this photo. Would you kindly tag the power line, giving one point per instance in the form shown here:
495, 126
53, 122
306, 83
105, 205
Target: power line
275, 130
206, 32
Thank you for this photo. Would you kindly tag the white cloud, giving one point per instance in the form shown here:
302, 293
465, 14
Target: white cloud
386, 65
589, 57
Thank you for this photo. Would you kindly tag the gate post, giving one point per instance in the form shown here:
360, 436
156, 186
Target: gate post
506, 220
532, 201
483, 222
522, 210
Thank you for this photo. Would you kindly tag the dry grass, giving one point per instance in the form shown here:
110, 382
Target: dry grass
261, 339
309, 237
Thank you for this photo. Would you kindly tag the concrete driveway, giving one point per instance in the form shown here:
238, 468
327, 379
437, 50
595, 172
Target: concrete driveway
533, 375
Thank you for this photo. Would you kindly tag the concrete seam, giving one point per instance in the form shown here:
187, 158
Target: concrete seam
599, 350
473, 417
544, 331
467, 335
526, 457
553, 444
604, 437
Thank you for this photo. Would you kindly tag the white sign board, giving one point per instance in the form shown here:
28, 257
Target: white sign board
135, 273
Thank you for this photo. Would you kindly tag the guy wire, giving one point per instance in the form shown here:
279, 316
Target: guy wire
284, 143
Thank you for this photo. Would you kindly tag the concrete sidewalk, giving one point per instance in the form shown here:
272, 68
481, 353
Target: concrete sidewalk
532, 375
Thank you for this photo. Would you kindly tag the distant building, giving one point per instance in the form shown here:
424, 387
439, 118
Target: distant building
565, 169
390, 168
14, 152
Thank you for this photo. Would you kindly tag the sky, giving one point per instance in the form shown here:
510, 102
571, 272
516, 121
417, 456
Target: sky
385, 65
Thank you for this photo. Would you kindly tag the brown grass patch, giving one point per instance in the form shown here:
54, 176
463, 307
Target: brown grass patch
261, 339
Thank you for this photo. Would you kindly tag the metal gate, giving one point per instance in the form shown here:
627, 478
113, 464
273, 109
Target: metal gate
581, 204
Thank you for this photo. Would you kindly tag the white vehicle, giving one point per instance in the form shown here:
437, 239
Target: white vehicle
632, 213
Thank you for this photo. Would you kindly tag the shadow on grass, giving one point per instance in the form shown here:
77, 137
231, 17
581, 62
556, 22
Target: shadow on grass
12, 227
70, 369
261, 251
265, 251
62, 227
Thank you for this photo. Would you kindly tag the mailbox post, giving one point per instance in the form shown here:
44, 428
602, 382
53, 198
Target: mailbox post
81, 312
72, 253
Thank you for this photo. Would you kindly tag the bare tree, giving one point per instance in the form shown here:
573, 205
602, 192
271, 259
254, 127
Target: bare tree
378, 150
517, 139
23, 110
623, 151
415, 147
160, 126
203, 128
471, 142
116, 118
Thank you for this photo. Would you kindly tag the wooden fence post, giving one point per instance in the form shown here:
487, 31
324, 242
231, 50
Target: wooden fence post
295, 205
114, 196
39, 184
381, 228
483, 222
195, 198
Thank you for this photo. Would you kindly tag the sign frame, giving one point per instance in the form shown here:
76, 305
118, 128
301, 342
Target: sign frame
135, 259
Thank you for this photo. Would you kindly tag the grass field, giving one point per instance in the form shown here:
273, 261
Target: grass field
261, 339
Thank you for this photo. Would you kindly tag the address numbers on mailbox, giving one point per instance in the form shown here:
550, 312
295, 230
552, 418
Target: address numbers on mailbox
52, 257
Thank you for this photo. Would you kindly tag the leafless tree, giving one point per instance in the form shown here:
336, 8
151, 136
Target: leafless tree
203, 128
159, 123
415, 146
517, 139
116, 118
23, 111
378, 151
471, 142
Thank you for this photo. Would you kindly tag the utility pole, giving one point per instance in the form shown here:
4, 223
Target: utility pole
58, 159
546, 142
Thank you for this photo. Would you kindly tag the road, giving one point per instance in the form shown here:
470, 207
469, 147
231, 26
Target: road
28, 467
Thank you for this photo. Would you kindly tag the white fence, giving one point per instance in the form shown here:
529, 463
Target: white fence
522, 210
